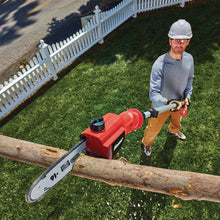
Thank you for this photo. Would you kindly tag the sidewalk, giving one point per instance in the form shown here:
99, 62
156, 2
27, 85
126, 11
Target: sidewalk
20, 43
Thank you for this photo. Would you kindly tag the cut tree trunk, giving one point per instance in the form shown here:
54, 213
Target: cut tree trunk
182, 184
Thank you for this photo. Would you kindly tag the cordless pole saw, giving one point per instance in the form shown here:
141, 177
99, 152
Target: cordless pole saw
103, 138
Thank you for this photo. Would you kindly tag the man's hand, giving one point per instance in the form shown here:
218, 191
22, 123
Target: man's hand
187, 102
178, 105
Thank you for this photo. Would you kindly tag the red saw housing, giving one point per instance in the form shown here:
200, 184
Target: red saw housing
106, 135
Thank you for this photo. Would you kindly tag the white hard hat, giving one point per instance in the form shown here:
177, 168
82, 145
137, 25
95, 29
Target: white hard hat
180, 29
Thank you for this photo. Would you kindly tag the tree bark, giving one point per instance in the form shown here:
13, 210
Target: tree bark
182, 184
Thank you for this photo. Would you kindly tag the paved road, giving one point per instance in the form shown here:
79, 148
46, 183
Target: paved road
24, 23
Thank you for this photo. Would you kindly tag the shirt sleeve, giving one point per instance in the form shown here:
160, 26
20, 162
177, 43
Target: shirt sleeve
156, 84
188, 90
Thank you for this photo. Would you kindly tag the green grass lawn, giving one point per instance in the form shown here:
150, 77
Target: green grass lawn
114, 77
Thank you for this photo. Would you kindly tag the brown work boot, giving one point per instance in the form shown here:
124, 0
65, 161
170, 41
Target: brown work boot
147, 151
179, 135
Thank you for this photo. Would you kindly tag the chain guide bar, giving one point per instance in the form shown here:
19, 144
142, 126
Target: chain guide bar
55, 173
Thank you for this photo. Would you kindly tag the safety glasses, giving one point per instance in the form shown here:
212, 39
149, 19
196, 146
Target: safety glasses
179, 41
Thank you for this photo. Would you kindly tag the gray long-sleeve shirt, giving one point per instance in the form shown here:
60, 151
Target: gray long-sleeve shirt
171, 79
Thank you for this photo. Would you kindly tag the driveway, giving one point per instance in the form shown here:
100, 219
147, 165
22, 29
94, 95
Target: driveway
23, 23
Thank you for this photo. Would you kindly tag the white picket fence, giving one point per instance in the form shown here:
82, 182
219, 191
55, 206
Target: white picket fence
52, 59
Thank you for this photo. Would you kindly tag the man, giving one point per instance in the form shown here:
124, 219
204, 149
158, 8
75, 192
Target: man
171, 80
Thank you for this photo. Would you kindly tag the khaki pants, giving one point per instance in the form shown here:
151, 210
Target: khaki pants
155, 125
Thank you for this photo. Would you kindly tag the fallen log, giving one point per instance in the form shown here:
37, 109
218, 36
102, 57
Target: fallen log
182, 184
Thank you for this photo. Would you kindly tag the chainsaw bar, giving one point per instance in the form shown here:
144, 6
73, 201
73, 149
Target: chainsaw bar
55, 173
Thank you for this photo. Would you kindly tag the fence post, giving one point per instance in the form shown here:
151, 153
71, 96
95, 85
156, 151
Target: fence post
182, 3
46, 56
134, 9
98, 21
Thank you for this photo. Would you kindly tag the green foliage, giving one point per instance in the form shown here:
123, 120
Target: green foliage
114, 77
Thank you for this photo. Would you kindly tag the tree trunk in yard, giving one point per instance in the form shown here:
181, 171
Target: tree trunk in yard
182, 184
